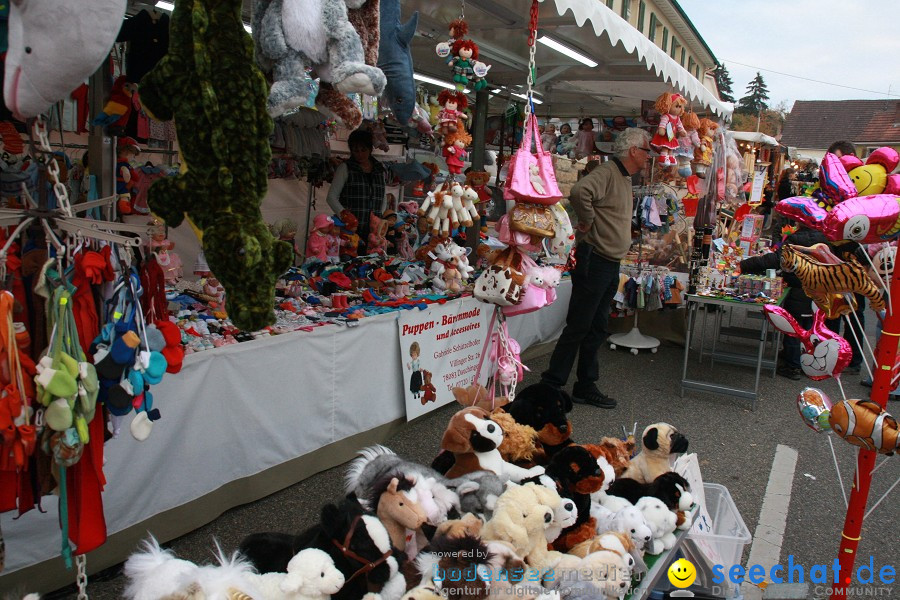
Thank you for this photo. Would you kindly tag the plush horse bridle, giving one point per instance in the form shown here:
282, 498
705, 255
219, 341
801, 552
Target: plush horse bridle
348, 553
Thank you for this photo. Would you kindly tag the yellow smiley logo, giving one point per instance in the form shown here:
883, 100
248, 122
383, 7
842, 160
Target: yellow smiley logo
682, 573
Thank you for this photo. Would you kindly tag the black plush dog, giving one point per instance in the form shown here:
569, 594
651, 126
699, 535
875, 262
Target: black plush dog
669, 487
544, 407
357, 543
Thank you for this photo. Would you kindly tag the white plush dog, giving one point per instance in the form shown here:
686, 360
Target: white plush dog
629, 520
311, 575
662, 522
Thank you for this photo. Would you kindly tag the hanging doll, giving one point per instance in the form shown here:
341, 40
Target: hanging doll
126, 176
688, 144
169, 262
117, 110
548, 138
318, 241
565, 143
377, 239
465, 65
703, 154
452, 103
455, 151
670, 107
584, 139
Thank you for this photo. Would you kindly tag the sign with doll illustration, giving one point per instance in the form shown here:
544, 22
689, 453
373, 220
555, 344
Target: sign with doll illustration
440, 349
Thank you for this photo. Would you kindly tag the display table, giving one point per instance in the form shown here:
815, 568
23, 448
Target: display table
238, 423
757, 360
657, 566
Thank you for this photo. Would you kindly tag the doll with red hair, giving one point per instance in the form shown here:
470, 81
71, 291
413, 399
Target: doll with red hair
465, 66
670, 108
703, 154
455, 150
452, 103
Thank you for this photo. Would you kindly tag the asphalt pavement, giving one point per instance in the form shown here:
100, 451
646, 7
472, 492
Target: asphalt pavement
735, 447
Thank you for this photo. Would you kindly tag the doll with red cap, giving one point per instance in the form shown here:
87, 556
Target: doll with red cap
319, 238
670, 107
126, 176
349, 236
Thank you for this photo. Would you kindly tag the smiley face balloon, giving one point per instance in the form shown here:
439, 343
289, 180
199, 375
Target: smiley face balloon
815, 408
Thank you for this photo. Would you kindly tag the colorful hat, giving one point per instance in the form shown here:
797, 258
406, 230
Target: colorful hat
322, 221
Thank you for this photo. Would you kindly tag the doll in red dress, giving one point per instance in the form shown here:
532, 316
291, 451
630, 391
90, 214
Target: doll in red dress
455, 150
670, 107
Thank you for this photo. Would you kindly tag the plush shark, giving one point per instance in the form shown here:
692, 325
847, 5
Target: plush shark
53, 47
395, 59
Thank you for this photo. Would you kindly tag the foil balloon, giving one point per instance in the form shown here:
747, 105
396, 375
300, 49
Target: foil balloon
823, 354
834, 181
893, 185
869, 179
864, 219
865, 424
885, 156
850, 162
815, 408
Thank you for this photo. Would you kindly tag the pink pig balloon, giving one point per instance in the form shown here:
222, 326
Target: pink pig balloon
864, 219
834, 180
824, 353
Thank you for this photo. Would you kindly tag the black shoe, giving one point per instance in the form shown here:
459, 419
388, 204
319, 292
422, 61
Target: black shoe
592, 396
789, 372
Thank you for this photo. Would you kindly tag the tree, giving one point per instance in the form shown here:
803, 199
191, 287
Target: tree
723, 83
769, 120
755, 100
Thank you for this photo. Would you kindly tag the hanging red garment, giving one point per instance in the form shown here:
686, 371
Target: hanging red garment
80, 96
16, 286
153, 302
91, 268
85, 482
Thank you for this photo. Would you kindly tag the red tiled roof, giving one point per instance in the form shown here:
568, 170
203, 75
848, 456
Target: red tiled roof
818, 123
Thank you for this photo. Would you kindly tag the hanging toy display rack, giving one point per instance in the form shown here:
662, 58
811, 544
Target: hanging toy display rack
882, 383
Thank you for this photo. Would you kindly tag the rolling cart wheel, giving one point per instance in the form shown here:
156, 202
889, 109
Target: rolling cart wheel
612, 346
634, 351
653, 350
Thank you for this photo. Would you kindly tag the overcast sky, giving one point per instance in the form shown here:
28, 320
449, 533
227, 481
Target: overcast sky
853, 43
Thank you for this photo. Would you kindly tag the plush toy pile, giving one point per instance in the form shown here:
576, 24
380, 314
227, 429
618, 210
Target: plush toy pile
512, 508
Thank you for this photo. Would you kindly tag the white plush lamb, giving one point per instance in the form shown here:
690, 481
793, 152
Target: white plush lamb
311, 575
662, 522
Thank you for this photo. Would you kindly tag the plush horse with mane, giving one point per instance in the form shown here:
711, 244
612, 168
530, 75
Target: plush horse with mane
401, 514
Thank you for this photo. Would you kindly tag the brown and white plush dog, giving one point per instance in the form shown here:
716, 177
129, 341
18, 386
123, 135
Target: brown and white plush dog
474, 439
661, 443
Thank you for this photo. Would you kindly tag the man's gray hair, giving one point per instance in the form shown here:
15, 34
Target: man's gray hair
631, 138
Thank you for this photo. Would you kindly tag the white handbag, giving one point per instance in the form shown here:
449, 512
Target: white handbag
560, 245
499, 285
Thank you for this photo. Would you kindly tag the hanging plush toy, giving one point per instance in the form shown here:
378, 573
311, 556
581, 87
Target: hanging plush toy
453, 104
290, 38
670, 108
395, 59
210, 85
458, 29
688, 144
118, 107
825, 353
465, 65
455, 151
703, 154
126, 149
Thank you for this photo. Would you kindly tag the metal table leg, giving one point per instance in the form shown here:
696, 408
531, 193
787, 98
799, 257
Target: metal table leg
692, 308
762, 346
702, 333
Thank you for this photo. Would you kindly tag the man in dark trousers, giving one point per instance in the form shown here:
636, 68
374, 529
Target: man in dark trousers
603, 203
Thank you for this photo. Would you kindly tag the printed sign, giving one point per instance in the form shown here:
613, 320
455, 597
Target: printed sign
440, 349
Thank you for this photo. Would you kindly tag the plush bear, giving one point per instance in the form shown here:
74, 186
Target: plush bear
474, 439
662, 523
661, 443
290, 40
520, 518
576, 475
544, 407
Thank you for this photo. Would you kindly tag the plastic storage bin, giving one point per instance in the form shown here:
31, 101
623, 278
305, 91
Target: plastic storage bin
724, 543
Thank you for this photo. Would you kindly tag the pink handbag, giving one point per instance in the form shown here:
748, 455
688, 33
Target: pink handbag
531, 177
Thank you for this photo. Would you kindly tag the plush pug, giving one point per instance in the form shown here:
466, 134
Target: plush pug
662, 442
474, 439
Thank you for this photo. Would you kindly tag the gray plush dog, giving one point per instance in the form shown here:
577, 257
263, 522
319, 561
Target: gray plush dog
478, 492
291, 36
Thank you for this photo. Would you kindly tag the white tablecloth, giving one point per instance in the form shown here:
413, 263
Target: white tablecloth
234, 412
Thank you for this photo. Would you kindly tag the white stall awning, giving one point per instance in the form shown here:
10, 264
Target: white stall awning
755, 137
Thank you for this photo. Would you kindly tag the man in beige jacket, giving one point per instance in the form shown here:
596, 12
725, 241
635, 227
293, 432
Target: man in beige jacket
603, 204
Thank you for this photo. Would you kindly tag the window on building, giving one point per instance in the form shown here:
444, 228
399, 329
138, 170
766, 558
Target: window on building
690, 66
610, 3
642, 7
653, 24
665, 38
683, 54
674, 49
697, 71
626, 9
